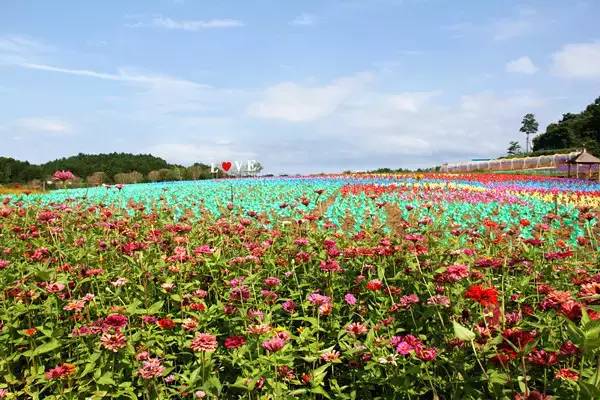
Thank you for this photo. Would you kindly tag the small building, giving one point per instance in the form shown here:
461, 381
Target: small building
583, 159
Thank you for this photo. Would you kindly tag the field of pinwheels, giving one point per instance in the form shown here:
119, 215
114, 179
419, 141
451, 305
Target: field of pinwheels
338, 287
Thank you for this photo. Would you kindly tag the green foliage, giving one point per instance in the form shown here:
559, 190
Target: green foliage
514, 148
529, 127
12, 170
84, 165
573, 130
104, 168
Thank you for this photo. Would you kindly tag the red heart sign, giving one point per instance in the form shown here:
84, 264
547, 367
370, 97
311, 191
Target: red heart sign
226, 166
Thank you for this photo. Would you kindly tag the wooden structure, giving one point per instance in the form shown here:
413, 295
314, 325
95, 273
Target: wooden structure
583, 158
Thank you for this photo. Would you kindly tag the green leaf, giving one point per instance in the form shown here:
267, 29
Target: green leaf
380, 272
156, 307
91, 364
106, 379
176, 297
499, 378
321, 391
47, 347
462, 332
133, 307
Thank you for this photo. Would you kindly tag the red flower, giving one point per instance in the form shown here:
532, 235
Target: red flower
542, 357
517, 337
374, 285
166, 323
116, 321
233, 342
568, 348
567, 374
484, 296
197, 307
60, 371
30, 331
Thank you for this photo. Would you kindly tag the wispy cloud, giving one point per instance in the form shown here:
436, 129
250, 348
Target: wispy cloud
508, 28
304, 19
45, 125
188, 25
17, 48
122, 75
523, 21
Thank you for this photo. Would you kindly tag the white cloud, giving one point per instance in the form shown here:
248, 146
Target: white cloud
410, 101
189, 25
522, 65
189, 153
44, 125
577, 60
297, 103
304, 19
347, 123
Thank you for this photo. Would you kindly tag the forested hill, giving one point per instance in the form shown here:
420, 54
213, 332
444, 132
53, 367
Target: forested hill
111, 164
82, 165
573, 130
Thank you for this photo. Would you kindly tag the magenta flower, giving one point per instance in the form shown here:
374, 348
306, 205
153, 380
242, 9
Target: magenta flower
63, 176
350, 299
274, 344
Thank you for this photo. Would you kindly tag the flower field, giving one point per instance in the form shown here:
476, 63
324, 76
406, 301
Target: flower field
336, 287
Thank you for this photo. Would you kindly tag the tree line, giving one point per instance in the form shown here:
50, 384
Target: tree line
573, 130
96, 169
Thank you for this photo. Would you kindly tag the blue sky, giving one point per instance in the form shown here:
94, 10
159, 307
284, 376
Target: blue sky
302, 86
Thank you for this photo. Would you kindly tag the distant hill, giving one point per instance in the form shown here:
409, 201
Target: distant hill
84, 165
111, 164
573, 130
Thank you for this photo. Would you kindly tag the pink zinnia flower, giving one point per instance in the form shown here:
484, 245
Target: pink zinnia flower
119, 282
272, 281
63, 176
350, 299
151, 368
439, 300
189, 324
331, 356
74, 305
55, 287
204, 342
113, 342
289, 306
204, 249
426, 354
274, 344
357, 329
